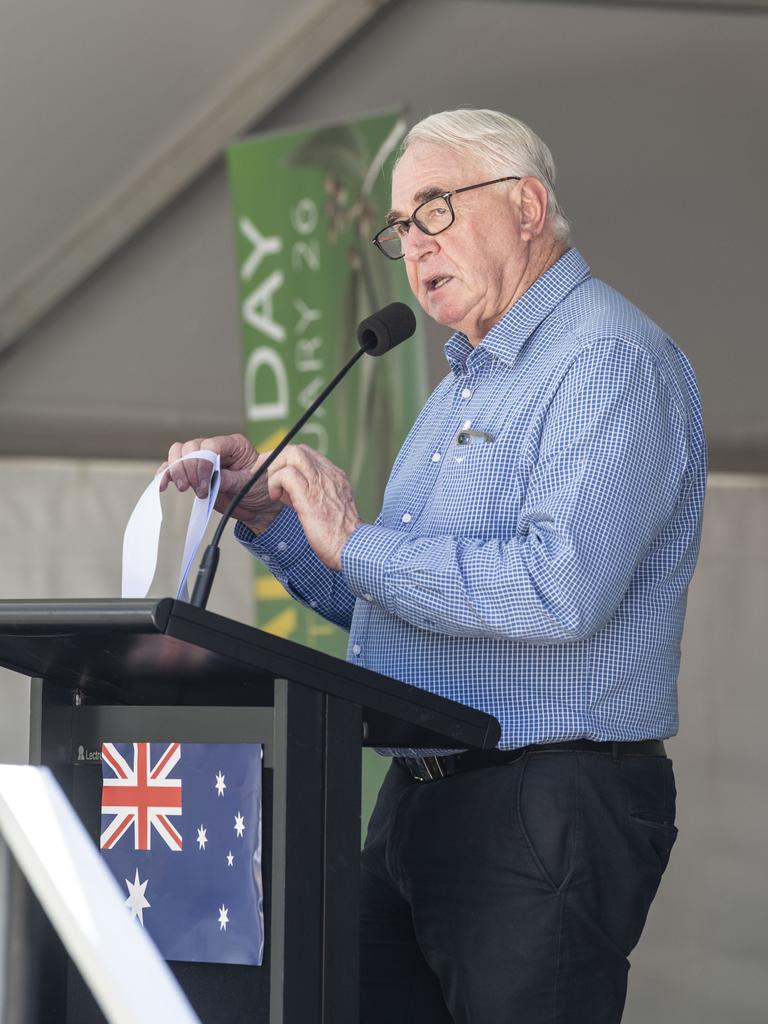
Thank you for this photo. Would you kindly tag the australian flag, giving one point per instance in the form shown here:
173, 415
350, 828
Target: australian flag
181, 833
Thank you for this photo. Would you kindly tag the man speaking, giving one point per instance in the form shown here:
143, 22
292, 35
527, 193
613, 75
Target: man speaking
531, 559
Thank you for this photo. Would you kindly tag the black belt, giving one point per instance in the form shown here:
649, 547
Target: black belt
429, 768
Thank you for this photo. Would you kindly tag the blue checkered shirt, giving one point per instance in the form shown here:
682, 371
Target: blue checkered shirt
536, 567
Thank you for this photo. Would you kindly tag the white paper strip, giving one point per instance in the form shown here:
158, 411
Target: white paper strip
141, 539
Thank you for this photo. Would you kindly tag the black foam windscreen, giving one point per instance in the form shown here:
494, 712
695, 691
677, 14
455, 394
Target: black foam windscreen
381, 331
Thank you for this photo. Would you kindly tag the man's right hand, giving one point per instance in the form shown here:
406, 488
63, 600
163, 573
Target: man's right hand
239, 461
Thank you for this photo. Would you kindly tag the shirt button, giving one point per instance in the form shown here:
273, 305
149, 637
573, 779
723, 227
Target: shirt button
265, 559
466, 393
406, 517
282, 546
367, 597
313, 604
356, 648
436, 456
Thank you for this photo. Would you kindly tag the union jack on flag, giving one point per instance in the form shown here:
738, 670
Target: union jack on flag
141, 795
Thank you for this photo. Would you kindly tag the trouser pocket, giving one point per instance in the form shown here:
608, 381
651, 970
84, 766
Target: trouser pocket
548, 802
650, 795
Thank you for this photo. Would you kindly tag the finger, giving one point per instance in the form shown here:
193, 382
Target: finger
261, 458
288, 485
282, 460
177, 474
200, 471
306, 460
235, 450
316, 459
194, 472
232, 451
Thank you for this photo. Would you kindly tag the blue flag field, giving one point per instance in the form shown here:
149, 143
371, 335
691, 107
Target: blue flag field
181, 833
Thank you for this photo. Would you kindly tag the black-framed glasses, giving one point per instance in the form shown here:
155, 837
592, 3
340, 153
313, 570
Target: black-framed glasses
432, 216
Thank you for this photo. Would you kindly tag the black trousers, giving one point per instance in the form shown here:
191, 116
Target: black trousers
512, 894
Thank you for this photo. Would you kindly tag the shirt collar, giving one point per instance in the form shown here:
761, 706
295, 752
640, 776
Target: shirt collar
507, 337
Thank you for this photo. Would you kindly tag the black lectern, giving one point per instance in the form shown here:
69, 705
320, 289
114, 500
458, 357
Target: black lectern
164, 670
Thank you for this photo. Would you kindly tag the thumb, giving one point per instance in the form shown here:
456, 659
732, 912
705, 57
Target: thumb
233, 479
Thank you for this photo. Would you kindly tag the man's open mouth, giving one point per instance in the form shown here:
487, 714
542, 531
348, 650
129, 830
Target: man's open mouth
437, 282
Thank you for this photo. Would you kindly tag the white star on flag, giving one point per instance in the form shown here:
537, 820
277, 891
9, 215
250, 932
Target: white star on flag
239, 825
230, 859
220, 784
137, 902
202, 838
223, 918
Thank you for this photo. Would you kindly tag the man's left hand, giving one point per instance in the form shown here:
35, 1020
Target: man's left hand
322, 497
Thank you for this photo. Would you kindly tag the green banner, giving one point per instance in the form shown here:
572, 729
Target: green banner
306, 204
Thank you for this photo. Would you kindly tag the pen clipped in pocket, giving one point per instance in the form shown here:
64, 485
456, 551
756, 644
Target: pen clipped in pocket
466, 436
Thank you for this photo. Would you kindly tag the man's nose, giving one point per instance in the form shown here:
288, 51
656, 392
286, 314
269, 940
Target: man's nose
418, 243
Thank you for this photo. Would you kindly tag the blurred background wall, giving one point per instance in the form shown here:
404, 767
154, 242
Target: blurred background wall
119, 318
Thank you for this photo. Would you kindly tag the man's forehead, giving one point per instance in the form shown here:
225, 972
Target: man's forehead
426, 170
421, 195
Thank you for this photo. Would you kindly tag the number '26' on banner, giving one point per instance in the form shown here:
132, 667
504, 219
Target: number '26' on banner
181, 833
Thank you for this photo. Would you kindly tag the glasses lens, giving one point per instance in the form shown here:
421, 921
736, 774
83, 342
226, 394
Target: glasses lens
390, 241
434, 216
431, 217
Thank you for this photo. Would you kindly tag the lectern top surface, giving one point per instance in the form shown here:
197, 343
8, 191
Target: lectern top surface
169, 652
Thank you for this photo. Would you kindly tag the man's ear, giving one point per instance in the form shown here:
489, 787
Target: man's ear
533, 208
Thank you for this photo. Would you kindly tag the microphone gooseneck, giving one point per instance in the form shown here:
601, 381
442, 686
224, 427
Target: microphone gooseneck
376, 335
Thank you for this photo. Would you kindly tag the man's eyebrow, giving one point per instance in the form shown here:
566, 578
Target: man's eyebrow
419, 197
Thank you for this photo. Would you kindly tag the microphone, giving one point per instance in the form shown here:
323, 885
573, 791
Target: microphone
376, 335
381, 331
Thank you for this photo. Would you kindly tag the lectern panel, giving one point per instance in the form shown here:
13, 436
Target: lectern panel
137, 670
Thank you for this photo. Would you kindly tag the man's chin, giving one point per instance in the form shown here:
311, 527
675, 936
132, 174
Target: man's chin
442, 309
441, 318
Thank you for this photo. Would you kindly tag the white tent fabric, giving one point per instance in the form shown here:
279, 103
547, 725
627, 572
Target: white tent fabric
648, 110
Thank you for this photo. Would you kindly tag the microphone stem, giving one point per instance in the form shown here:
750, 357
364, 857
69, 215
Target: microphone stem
209, 562
284, 443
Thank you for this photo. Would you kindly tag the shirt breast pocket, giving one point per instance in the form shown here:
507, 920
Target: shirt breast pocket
480, 482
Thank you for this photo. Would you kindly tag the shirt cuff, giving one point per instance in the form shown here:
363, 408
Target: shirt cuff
278, 543
365, 559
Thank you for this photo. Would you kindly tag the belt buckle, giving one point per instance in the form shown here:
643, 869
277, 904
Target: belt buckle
425, 769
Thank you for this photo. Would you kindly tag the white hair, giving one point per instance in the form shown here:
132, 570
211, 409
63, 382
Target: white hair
503, 145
